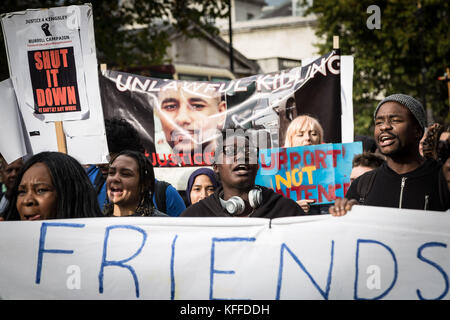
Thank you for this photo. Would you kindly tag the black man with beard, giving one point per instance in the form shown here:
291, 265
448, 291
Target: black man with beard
405, 179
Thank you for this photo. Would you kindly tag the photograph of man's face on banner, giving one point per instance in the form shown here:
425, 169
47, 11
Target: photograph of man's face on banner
189, 119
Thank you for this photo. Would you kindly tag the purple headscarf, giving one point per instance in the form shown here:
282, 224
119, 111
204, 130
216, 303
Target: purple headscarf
206, 171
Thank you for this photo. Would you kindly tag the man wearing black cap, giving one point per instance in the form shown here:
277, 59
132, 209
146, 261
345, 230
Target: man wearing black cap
406, 179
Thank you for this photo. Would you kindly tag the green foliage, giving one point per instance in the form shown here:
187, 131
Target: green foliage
120, 47
391, 59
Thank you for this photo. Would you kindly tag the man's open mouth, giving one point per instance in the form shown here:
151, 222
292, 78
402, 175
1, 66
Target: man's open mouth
241, 169
386, 140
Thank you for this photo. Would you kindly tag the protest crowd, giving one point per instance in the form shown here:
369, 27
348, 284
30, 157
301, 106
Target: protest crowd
268, 146
410, 168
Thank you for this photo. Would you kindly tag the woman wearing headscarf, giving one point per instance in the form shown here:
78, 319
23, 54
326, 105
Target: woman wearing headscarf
201, 184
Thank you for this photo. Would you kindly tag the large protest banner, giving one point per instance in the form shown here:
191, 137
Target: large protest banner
53, 68
320, 172
371, 253
179, 120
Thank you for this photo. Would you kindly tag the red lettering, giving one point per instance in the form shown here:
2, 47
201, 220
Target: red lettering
320, 156
189, 155
283, 159
305, 154
46, 59
71, 97
37, 58
54, 57
48, 97
172, 162
334, 153
295, 159
51, 73
64, 57
287, 195
159, 160
49, 78
305, 189
196, 155
51, 59
346, 186
40, 97
54, 72
175, 158
332, 190
154, 157
272, 162
308, 194
209, 157
59, 96
183, 160
330, 196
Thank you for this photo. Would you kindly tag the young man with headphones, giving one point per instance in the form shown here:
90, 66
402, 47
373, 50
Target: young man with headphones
236, 164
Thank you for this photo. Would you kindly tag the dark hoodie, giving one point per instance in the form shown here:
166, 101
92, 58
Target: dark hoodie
274, 206
424, 188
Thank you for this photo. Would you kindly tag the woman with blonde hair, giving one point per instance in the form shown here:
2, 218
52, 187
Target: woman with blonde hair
305, 130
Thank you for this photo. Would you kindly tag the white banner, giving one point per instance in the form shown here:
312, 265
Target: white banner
12, 143
371, 253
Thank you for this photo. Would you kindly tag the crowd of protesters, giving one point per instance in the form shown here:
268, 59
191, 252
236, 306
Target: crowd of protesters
404, 165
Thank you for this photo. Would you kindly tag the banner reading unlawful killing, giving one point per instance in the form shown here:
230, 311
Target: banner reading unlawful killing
319, 172
371, 253
179, 120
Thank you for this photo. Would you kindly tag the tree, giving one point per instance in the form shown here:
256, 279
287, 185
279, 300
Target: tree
407, 54
120, 46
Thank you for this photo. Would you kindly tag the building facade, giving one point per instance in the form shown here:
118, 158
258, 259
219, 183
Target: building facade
277, 38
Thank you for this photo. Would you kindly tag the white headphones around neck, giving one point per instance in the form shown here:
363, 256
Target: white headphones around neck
235, 205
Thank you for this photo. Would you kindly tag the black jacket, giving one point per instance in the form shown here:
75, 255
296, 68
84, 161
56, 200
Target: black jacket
274, 205
424, 188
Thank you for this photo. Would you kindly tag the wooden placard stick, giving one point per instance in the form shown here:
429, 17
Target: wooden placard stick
448, 86
60, 137
335, 42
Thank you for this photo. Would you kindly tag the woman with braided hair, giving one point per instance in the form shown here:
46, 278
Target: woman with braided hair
130, 185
